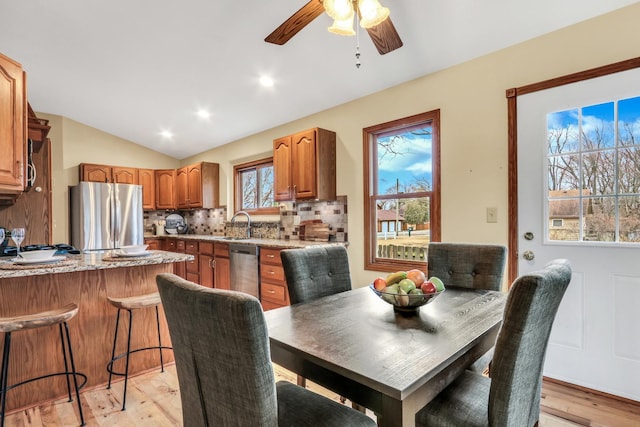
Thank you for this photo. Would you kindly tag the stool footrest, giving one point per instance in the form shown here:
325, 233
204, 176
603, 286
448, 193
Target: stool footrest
121, 355
79, 374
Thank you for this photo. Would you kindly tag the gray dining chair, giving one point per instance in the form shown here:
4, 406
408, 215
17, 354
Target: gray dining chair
315, 272
511, 397
468, 265
221, 346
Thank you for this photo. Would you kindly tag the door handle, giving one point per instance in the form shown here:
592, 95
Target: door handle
528, 255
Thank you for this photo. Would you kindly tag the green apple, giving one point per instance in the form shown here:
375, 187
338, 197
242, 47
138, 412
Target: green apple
437, 282
389, 293
407, 285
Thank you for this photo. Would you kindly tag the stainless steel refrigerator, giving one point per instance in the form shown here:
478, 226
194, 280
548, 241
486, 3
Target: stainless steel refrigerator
105, 216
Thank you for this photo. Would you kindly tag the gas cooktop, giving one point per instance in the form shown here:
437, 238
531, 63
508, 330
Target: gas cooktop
62, 249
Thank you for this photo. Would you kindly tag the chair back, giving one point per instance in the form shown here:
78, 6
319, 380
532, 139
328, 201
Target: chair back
467, 265
221, 347
516, 373
315, 272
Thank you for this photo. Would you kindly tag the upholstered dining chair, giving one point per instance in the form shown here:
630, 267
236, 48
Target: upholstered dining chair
511, 397
468, 265
221, 346
316, 272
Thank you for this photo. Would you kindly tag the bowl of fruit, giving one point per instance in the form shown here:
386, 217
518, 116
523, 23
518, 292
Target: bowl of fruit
407, 291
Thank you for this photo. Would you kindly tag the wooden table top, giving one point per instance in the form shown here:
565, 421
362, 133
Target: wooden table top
358, 338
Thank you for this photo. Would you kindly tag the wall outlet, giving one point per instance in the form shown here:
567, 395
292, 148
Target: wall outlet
492, 214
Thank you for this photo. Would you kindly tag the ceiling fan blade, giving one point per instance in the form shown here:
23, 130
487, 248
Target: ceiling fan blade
385, 37
296, 22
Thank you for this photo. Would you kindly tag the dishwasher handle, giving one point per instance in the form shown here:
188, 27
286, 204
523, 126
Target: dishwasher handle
243, 249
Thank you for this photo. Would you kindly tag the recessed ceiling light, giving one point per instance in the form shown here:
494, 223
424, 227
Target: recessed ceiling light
166, 134
266, 81
203, 114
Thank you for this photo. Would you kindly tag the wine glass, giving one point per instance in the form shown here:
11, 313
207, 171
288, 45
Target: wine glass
1, 236
17, 235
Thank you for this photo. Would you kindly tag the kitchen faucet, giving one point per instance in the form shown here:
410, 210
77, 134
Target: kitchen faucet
233, 220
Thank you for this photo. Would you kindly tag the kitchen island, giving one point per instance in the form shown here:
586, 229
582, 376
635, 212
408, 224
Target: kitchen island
86, 280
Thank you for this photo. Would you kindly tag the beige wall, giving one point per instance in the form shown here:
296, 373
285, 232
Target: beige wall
73, 143
471, 97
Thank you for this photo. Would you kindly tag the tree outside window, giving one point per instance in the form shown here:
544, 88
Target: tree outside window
402, 191
254, 187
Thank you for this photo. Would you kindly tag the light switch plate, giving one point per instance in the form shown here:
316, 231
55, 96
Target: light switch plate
492, 214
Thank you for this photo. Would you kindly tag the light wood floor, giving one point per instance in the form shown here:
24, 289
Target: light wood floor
153, 400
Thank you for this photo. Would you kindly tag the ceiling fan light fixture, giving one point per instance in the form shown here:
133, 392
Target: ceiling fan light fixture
372, 13
343, 27
339, 10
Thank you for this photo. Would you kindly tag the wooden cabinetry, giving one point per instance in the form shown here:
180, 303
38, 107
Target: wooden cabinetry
273, 284
147, 179
13, 129
165, 192
154, 244
105, 173
175, 245
197, 186
205, 257
193, 266
222, 265
304, 166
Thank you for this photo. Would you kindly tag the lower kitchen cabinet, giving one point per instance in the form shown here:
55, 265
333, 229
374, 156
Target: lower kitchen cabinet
273, 284
154, 244
193, 266
174, 245
222, 266
205, 259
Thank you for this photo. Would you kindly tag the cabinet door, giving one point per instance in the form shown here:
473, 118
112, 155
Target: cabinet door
165, 181
154, 244
95, 173
121, 175
222, 273
303, 165
194, 186
282, 169
13, 113
206, 270
182, 192
147, 179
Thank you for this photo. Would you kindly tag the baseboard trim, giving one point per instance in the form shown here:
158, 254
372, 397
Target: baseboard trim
592, 391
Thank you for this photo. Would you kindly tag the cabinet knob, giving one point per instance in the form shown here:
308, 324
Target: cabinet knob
271, 256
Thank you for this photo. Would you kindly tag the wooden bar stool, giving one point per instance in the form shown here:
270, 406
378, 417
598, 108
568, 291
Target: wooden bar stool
59, 317
130, 304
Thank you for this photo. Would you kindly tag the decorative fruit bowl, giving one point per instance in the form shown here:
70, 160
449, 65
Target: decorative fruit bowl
407, 291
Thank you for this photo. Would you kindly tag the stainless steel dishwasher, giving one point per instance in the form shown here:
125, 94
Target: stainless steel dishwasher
245, 276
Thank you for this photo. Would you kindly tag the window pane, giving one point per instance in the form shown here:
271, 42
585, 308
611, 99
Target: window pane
629, 171
249, 195
564, 217
599, 172
403, 228
404, 161
629, 121
598, 126
562, 132
629, 211
564, 172
266, 187
600, 219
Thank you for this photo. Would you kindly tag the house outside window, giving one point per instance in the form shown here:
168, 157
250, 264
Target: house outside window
253, 187
402, 191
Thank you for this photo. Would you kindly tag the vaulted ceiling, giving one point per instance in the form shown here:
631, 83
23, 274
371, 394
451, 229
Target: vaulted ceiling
136, 68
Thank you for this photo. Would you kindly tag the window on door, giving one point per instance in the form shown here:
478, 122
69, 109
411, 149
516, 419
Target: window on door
254, 187
594, 172
402, 191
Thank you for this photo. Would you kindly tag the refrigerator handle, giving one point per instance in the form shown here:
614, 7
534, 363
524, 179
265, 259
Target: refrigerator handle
117, 223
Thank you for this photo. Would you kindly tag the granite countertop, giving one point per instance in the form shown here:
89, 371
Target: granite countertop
275, 243
92, 261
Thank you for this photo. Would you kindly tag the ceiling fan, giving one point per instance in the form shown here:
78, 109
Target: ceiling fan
384, 34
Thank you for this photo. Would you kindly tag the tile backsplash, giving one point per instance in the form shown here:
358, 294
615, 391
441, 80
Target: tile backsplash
213, 221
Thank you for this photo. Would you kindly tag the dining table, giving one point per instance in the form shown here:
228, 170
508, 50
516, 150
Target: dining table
356, 345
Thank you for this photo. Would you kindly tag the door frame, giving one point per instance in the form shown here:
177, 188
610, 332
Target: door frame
512, 136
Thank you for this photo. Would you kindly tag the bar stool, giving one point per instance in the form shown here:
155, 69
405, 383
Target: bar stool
130, 304
59, 317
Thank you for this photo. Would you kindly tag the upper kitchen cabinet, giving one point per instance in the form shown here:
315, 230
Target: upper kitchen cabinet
105, 173
197, 186
13, 113
165, 188
304, 166
147, 178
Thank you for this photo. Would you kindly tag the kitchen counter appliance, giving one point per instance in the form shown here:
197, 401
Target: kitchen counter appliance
106, 216
245, 275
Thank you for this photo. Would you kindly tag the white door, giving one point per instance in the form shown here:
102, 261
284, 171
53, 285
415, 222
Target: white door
595, 341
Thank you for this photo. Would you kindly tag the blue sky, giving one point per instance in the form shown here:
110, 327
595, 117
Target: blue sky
412, 161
